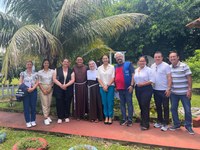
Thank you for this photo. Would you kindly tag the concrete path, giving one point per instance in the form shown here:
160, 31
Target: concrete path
174, 139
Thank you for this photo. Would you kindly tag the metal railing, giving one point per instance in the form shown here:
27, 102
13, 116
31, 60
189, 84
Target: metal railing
7, 91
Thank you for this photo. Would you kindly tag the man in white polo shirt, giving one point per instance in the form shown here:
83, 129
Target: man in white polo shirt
161, 90
181, 90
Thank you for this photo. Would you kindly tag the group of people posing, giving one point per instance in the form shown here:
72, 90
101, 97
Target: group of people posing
91, 90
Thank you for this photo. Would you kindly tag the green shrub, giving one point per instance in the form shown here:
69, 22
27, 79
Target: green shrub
194, 63
29, 143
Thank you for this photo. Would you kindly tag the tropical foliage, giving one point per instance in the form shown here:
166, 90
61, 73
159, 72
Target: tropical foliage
58, 28
165, 30
194, 63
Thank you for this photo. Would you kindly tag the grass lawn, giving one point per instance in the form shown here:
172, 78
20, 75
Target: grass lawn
64, 142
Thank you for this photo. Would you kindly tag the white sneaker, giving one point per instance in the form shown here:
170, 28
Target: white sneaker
33, 123
164, 128
46, 122
28, 125
59, 121
67, 120
49, 119
157, 125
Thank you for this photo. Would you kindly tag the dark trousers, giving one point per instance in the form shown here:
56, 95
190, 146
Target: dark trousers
63, 103
29, 104
162, 105
144, 95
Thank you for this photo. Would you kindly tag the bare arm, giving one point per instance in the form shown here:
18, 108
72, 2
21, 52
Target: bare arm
169, 85
189, 92
71, 81
21, 80
105, 87
130, 88
31, 89
57, 82
55, 79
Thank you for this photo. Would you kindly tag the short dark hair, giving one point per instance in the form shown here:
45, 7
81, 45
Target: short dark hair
158, 52
79, 57
174, 51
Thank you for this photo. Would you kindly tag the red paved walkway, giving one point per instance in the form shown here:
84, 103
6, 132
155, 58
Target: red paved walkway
176, 139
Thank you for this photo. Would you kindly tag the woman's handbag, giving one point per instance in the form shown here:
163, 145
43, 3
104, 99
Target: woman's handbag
21, 92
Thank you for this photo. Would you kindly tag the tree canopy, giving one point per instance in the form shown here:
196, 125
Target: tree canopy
56, 29
164, 31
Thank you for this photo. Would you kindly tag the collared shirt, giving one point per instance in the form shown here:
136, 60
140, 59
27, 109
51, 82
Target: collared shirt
106, 75
29, 79
179, 78
92, 75
160, 73
143, 75
46, 77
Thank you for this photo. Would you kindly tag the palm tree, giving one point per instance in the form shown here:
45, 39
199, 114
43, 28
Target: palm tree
57, 28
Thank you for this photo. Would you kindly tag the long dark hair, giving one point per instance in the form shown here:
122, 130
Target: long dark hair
42, 67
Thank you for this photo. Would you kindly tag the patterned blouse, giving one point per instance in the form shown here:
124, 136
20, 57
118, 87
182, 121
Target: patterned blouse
29, 79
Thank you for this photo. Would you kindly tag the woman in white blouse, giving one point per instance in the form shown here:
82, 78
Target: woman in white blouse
46, 84
143, 89
105, 75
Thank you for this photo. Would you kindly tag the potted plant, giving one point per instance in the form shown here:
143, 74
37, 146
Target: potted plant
35, 143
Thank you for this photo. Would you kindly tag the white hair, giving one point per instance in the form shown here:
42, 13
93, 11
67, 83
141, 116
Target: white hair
118, 53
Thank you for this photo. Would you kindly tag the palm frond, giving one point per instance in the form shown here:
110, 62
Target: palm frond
8, 26
106, 28
31, 40
74, 13
32, 11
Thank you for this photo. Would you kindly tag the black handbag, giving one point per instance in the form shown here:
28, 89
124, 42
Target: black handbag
21, 92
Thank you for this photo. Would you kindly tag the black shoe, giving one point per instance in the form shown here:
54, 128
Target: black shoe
123, 122
173, 128
129, 123
189, 129
109, 123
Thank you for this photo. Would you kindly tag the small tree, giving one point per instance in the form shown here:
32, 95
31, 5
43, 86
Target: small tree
194, 63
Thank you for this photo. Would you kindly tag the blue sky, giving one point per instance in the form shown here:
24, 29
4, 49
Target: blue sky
1, 5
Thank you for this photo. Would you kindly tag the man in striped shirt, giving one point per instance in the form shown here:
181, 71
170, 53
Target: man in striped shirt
181, 90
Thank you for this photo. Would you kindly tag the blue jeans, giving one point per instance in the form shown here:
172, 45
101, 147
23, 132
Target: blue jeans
126, 98
187, 108
29, 104
107, 101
